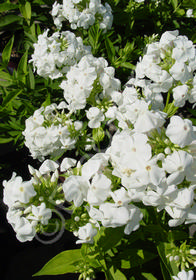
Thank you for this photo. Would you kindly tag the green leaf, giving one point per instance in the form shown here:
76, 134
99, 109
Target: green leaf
134, 257
10, 96
174, 3
5, 75
165, 273
5, 140
31, 78
127, 65
162, 249
31, 37
148, 276
65, 262
192, 111
9, 19
47, 101
7, 6
22, 67
117, 274
5, 79
26, 11
98, 134
193, 120
7, 51
189, 4
5, 83
110, 49
177, 235
107, 238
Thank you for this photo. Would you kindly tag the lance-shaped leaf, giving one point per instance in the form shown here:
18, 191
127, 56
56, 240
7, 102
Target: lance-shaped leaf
6, 54
65, 262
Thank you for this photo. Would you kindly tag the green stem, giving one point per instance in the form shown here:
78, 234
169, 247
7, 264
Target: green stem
167, 101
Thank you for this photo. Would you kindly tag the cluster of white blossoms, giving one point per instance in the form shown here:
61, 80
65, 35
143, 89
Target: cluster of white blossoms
51, 131
168, 67
91, 81
158, 167
134, 111
155, 167
82, 14
53, 55
31, 203
105, 203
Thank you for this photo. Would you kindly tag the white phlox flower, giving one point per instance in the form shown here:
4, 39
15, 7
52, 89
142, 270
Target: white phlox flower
184, 198
17, 190
75, 189
48, 166
141, 117
182, 127
177, 165
99, 189
191, 215
113, 216
167, 39
95, 116
178, 216
86, 234
94, 165
183, 50
67, 163
150, 172
120, 197
180, 72
160, 196
135, 216
24, 230
40, 214
180, 94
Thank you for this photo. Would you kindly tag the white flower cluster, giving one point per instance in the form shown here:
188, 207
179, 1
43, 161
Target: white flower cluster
83, 14
28, 201
168, 66
158, 168
133, 111
53, 55
80, 87
107, 207
50, 131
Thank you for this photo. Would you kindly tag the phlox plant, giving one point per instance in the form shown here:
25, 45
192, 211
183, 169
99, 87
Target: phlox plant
117, 157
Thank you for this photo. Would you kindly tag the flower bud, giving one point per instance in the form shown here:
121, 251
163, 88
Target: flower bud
171, 258
38, 174
28, 210
192, 251
167, 151
176, 258
32, 170
55, 176
77, 219
160, 156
